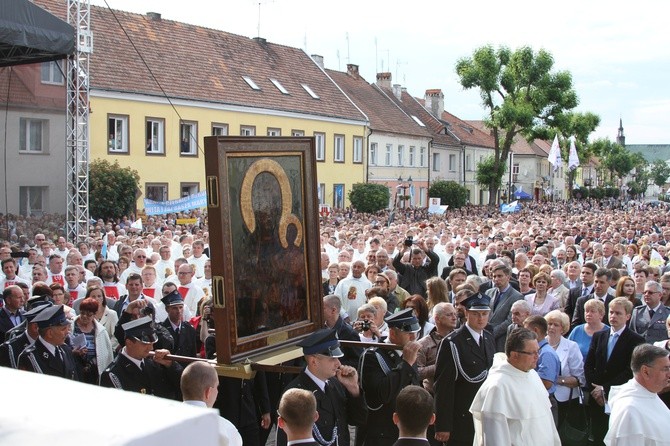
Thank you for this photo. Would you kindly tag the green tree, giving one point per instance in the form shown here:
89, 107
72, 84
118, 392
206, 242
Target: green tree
490, 174
112, 189
369, 197
451, 193
520, 93
660, 171
615, 159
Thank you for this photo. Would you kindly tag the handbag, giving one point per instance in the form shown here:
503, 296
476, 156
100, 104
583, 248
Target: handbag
574, 430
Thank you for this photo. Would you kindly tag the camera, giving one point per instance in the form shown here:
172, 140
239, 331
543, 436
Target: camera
408, 242
365, 325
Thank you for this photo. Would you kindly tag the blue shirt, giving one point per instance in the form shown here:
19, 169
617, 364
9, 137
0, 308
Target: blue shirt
582, 338
548, 365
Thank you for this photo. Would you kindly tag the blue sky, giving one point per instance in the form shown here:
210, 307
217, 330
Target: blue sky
618, 52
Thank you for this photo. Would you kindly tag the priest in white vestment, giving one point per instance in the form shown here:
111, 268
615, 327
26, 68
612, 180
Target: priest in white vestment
639, 417
512, 406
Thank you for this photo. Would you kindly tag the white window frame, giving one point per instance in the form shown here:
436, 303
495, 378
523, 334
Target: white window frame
28, 142
322, 193
273, 131
279, 86
373, 154
219, 129
247, 130
338, 148
320, 146
401, 155
452, 162
50, 73
155, 143
389, 154
191, 138
37, 195
468, 163
358, 150
118, 138
151, 196
297, 133
436, 162
422, 157
515, 172
412, 156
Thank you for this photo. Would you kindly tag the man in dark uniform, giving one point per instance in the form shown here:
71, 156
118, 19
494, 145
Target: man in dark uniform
10, 350
49, 354
463, 361
385, 373
183, 333
339, 399
135, 371
296, 416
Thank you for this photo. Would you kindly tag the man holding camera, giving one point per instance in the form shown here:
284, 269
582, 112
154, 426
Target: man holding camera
415, 274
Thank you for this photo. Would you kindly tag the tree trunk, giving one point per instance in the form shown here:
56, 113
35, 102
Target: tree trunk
493, 194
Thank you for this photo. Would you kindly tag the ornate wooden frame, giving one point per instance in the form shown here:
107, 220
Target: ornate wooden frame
264, 243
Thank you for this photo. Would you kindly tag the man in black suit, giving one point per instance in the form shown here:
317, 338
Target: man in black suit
413, 415
11, 313
183, 333
601, 284
296, 416
133, 370
49, 354
415, 274
463, 361
332, 319
384, 374
339, 399
586, 276
607, 363
10, 350
502, 296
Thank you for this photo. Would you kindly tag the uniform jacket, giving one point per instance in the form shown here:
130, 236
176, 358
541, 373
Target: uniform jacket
185, 341
336, 407
501, 316
38, 359
462, 366
154, 380
653, 329
615, 371
10, 350
381, 382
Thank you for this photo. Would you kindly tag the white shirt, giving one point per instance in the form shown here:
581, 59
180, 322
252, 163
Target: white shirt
228, 434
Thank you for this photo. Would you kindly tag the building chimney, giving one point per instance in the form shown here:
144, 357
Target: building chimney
435, 102
318, 59
154, 16
260, 40
352, 70
397, 91
384, 80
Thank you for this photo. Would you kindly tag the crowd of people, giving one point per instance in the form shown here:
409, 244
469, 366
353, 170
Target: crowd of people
559, 299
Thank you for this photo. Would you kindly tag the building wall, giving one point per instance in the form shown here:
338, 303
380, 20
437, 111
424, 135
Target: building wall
387, 172
38, 177
175, 170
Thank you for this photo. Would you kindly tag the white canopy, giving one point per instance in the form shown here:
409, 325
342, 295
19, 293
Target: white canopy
40, 409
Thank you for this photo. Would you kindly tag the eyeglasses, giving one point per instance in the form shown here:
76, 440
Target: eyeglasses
535, 353
651, 292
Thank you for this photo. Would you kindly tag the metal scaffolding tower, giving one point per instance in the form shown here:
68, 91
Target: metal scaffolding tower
77, 131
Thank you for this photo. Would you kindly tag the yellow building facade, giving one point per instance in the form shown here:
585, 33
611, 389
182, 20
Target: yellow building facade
145, 133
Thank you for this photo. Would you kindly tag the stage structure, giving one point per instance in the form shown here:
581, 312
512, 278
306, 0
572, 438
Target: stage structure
77, 122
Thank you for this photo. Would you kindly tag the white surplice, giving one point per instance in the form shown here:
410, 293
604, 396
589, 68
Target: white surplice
638, 417
512, 408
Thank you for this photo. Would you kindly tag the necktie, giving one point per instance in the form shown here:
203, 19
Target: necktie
142, 365
651, 313
496, 298
611, 344
585, 291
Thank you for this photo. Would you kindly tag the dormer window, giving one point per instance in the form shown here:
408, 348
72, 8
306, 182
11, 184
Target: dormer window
251, 83
310, 92
279, 86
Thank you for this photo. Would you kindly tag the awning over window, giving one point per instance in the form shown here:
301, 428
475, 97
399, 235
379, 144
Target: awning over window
29, 34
